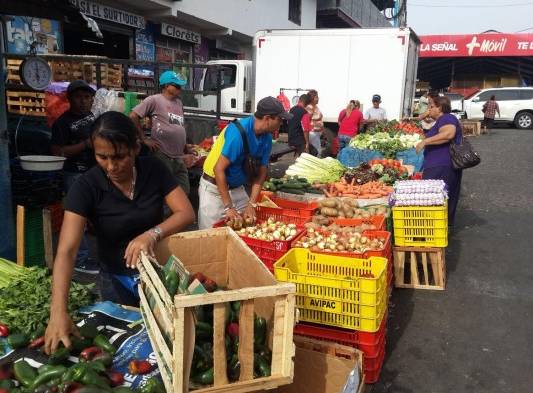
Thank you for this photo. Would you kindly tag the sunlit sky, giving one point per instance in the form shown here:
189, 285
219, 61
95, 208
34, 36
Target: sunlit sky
469, 16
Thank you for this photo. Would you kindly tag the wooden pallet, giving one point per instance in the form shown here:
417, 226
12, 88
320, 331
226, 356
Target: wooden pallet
13, 74
111, 74
471, 128
222, 256
27, 103
411, 268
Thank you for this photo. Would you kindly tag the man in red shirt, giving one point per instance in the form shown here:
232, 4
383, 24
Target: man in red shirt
350, 120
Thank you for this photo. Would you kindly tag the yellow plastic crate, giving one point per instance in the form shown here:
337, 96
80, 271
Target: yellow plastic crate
338, 291
420, 226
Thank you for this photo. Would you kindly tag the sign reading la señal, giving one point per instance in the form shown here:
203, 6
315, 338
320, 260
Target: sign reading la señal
95, 10
476, 45
180, 34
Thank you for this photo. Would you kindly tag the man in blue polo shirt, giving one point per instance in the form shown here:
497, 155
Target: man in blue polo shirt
240, 155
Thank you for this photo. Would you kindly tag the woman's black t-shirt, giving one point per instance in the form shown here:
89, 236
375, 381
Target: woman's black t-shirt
116, 219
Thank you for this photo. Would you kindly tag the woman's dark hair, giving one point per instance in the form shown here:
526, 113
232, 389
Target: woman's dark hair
443, 103
493, 98
433, 94
312, 93
116, 128
305, 99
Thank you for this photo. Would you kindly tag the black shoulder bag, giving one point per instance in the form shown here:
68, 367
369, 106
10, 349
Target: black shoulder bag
251, 164
463, 154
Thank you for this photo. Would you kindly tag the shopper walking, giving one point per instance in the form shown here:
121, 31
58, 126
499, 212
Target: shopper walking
350, 120
239, 157
489, 111
71, 138
437, 158
298, 139
168, 137
316, 125
123, 198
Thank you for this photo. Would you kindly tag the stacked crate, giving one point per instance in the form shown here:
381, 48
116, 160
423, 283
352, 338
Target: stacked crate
420, 238
341, 299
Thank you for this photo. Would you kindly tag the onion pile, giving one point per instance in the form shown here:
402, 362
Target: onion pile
270, 230
337, 239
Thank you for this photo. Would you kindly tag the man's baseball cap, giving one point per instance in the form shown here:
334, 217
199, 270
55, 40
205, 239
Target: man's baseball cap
79, 85
271, 106
171, 78
376, 97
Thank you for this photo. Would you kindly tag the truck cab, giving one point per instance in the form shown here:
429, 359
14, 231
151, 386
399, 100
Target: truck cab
237, 87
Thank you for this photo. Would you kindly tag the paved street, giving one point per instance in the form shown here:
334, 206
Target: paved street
477, 336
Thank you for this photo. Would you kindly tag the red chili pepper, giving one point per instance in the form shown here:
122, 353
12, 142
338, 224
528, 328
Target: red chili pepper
71, 387
139, 367
233, 330
37, 343
115, 378
90, 353
5, 373
4, 330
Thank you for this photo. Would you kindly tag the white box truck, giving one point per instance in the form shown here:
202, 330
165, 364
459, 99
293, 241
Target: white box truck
341, 64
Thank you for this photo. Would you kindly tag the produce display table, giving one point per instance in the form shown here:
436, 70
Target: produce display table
352, 157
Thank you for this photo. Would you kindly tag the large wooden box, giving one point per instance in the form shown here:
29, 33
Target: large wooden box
221, 255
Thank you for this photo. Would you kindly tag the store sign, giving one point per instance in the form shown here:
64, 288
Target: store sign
180, 34
476, 45
21, 32
144, 45
100, 11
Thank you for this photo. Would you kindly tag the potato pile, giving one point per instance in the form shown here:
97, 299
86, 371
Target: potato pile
332, 208
338, 239
270, 230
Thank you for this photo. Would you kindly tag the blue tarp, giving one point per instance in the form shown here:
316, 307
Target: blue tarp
352, 157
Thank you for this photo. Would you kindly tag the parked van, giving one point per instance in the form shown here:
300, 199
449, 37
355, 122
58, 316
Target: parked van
516, 105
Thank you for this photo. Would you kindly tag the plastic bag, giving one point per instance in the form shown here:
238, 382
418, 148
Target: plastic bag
409, 157
352, 157
106, 100
56, 105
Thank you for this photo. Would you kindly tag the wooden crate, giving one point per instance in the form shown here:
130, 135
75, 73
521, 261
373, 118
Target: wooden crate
26, 103
221, 255
13, 75
420, 268
111, 74
471, 128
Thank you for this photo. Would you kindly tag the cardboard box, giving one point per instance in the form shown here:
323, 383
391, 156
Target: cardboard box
323, 367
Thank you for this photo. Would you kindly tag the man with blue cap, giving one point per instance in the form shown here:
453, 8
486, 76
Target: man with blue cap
375, 113
167, 139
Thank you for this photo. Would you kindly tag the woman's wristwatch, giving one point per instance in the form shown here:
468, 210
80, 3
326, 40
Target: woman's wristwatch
156, 233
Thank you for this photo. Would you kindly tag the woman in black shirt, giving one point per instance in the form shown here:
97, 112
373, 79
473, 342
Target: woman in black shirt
123, 198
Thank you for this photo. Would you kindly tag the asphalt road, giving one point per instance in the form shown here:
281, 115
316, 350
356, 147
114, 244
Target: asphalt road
477, 335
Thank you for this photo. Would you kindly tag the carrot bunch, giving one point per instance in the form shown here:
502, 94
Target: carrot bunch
370, 190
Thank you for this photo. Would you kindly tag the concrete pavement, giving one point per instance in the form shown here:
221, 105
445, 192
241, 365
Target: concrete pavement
477, 335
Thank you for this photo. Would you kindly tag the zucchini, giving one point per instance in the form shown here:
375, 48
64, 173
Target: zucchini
297, 186
292, 191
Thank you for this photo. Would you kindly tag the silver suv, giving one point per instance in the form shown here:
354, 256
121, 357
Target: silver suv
516, 105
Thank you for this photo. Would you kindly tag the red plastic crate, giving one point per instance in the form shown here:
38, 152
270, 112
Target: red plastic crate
290, 212
386, 252
379, 222
369, 343
372, 373
268, 252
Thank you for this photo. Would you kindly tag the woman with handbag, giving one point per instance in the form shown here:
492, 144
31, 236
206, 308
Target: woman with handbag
437, 156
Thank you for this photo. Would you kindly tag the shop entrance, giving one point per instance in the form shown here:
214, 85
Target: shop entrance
115, 44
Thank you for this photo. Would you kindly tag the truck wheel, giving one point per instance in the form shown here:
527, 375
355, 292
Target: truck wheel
524, 120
